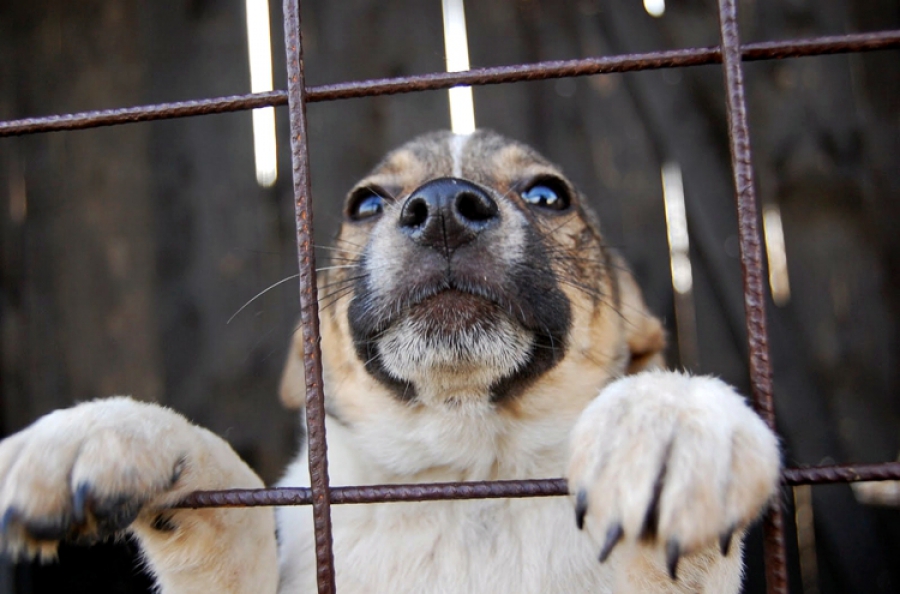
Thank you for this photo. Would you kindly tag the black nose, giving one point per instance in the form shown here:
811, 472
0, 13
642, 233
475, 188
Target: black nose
447, 213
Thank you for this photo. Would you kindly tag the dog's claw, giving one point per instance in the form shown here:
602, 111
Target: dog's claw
178, 469
613, 536
47, 531
580, 508
725, 541
8, 517
79, 502
673, 555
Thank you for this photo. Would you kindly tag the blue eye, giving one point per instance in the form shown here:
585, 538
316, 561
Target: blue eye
547, 194
365, 203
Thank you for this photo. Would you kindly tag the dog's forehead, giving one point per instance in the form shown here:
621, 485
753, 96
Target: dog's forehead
483, 157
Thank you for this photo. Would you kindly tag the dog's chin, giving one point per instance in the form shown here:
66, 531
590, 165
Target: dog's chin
454, 346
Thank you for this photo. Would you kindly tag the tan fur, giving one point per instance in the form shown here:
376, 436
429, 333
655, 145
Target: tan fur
886, 493
602, 413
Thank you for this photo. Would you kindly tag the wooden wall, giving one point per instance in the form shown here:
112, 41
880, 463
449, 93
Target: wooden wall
125, 251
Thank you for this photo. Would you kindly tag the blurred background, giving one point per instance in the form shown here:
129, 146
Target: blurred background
126, 252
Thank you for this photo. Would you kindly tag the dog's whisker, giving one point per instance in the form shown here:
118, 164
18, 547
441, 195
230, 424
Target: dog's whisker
269, 355
598, 257
334, 298
356, 245
558, 254
337, 267
333, 258
588, 289
337, 291
342, 281
547, 233
338, 249
549, 335
259, 341
260, 294
369, 360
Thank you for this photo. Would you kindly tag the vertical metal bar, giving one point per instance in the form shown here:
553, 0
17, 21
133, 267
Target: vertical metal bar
751, 264
309, 310
774, 550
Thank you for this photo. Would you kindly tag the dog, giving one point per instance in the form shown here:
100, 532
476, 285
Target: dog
475, 326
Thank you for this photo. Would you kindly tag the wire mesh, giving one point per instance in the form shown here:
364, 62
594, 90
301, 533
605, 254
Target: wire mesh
731, 54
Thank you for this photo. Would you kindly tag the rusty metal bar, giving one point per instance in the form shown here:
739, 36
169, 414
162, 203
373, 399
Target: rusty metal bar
770, 50
379, 493
751, 265
309, 309
608, 64
823, 475
751, 249
145, 113
814, 475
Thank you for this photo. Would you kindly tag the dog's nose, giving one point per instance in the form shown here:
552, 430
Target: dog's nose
447, 213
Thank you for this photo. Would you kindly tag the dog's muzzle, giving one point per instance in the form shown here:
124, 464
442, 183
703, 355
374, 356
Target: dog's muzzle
457, 282
447, 213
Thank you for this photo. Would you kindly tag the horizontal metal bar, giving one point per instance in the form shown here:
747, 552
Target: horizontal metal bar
379, 493
815, 475
851, 473
771, 50
143, 113
608, 64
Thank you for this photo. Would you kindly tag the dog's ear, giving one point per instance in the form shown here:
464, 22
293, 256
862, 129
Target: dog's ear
644, 333
293, 379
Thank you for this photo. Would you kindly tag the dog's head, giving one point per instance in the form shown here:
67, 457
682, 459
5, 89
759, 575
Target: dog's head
469, 273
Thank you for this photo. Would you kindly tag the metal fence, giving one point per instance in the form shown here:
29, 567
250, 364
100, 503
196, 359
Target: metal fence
320, 495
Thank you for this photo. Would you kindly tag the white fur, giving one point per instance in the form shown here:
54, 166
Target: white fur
457, 146
532, 545
482, 355
721, 461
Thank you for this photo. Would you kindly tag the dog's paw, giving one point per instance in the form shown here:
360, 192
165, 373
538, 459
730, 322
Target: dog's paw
87, 472
670, 459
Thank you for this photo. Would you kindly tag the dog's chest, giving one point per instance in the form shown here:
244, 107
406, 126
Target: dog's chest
527, 545
514, 546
